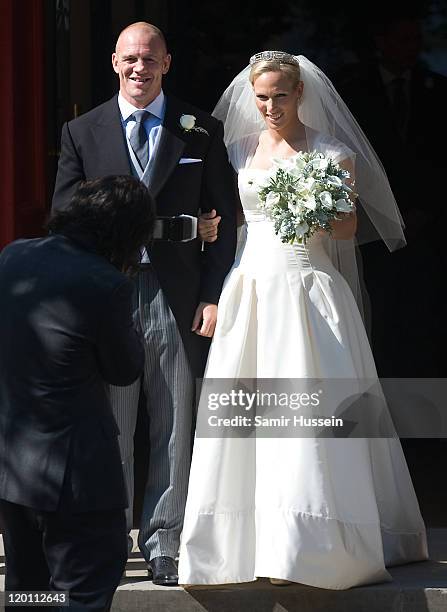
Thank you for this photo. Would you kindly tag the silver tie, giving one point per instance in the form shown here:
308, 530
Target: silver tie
138, 138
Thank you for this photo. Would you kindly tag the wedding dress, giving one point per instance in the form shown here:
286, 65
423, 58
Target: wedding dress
330, 513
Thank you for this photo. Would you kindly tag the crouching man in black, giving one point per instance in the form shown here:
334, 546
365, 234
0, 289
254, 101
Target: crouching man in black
66, 332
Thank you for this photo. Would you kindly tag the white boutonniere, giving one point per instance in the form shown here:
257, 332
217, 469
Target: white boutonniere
188, 123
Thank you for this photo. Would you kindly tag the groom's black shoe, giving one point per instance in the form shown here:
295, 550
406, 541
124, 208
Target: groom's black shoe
164, 571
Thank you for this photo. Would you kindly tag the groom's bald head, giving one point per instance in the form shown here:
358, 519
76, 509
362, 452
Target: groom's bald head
141, 59
141, 27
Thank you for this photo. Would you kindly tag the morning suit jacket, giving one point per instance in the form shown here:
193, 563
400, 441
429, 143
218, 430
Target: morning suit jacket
66, 330
94, 145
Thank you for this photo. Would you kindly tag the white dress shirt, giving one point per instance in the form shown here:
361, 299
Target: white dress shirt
152, 125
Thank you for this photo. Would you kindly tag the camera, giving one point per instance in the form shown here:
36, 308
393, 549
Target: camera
181, 228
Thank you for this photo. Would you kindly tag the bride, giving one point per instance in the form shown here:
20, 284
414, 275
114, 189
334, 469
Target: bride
330, 513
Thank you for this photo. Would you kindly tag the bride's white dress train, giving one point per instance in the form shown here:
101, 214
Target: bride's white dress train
331, 513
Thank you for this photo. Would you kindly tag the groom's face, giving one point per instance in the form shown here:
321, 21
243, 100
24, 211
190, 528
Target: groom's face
140, 61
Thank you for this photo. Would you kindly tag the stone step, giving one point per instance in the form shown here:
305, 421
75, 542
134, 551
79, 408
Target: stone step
417, 587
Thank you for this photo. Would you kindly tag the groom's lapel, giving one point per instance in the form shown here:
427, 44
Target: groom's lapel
110, 139
169, 149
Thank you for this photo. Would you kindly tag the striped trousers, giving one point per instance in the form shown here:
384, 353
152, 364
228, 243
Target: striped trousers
169, 390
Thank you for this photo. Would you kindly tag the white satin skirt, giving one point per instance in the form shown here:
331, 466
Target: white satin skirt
330, 513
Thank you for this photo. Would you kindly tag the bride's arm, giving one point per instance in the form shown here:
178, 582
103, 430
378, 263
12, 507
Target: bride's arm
346, 227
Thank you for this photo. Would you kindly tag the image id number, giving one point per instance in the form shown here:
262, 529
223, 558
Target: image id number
36, 598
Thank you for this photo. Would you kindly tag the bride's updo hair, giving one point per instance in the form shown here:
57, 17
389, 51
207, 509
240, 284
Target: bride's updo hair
290, 68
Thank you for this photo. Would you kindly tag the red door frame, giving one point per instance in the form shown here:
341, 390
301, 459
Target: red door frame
23, 191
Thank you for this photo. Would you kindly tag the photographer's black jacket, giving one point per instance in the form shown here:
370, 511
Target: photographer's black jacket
66, 330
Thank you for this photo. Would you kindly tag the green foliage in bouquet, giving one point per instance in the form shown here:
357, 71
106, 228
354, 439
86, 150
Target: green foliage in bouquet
303, 194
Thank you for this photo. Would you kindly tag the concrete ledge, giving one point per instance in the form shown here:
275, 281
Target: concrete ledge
417, 587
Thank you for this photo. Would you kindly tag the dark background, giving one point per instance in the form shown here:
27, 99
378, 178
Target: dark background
211, 41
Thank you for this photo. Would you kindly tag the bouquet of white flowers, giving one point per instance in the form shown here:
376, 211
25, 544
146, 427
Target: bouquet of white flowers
303, 194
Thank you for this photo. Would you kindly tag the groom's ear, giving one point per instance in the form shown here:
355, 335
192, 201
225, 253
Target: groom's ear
166, 63
115, 62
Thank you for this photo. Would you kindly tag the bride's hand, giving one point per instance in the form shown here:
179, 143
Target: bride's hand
207, 226
345, 227
204, 320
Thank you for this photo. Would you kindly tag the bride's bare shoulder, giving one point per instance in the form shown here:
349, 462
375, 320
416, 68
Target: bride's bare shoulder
263, 139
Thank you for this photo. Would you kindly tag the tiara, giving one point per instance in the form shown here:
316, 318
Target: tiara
274, 56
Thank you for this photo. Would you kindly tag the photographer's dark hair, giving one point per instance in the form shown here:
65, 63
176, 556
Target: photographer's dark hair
114, 214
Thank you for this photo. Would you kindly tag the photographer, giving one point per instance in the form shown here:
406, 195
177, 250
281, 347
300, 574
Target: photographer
66, 331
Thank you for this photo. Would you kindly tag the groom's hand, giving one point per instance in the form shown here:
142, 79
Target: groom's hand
205, 319
207, 226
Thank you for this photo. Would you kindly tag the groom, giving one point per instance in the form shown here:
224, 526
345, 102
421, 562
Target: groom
178, 152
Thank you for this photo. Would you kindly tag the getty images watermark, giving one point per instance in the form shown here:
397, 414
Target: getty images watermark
330, 408
250, 401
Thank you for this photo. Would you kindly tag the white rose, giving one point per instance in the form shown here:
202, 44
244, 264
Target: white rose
301, 186
295, 171
326, 199
272, 198
310, 202
334, 180
289, 164
308, 184
295, 207
299, 162
320, 164
187, 122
